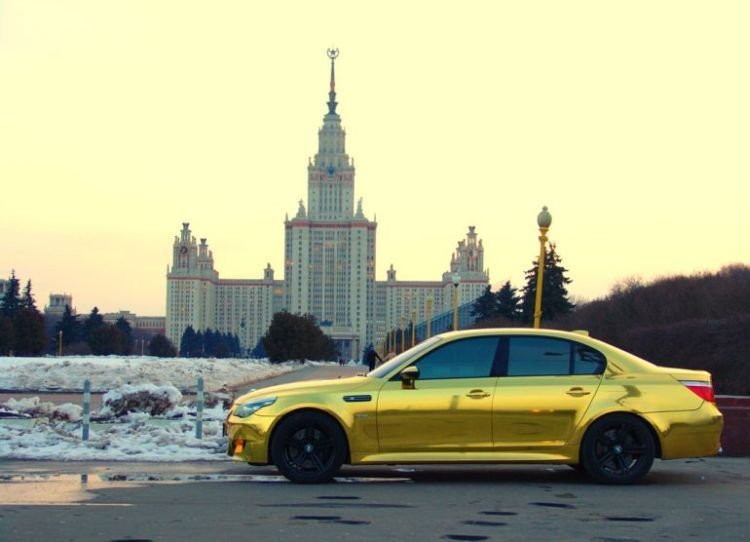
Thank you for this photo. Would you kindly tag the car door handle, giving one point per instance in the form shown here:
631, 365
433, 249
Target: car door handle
577, 392
477, 394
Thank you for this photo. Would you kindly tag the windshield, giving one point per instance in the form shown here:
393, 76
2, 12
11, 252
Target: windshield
388, 366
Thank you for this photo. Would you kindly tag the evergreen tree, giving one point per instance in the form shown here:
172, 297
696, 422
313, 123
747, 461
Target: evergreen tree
186, 342
27, 301
31, 338
485, 306
259, 352
22, 321
123, 326
508, 302
71, 328
11, 301
161, 347
293, 337
7, 336
199, 345
555, 300
211, 342
236, 346
93, 321
105, 340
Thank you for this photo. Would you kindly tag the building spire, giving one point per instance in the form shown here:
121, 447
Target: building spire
332, 54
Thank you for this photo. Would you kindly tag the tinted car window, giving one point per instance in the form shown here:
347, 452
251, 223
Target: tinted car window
587, 361
539, 356
468, 358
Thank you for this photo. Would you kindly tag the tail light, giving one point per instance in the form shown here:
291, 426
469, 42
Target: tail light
702, 389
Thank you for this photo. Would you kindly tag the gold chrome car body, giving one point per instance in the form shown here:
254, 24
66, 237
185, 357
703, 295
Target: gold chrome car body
512, 412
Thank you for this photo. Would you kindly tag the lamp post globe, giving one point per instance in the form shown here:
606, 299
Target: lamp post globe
544, 219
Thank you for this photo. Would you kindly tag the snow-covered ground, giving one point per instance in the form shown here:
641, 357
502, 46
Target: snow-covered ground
144, 416
107, 372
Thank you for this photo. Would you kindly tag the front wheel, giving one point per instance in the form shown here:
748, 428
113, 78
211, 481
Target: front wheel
308, 448
618, 449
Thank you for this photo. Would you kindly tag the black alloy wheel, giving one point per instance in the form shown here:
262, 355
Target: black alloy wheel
308, 448
618, 449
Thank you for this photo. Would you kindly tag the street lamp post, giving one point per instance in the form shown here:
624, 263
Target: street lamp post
456, 278
544, 220
429, 317
403, 334
413, 328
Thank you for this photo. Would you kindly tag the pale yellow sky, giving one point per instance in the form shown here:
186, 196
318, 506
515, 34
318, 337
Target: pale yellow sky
119, 120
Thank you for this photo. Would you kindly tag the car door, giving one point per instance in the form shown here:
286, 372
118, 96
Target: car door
546, 387
450, 407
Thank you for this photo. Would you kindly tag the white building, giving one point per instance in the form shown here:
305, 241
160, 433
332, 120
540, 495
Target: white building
329, 267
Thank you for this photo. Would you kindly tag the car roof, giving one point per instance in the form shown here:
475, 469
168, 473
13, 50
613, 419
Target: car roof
618, 359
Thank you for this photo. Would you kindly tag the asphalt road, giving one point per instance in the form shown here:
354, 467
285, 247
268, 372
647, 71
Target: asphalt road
679, 500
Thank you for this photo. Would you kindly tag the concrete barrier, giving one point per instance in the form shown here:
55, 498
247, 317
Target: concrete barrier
735, 438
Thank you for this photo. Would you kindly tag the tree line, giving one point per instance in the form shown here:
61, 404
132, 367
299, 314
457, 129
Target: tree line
94, 334
210, 343
509, 306
21, 324
23, 331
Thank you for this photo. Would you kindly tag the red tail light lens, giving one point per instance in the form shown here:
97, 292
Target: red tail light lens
702, 389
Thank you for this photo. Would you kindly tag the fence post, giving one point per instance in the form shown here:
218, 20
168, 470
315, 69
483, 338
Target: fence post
86, 409
199, 414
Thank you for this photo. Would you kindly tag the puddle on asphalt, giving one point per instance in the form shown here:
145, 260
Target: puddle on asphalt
52, 490
72, 489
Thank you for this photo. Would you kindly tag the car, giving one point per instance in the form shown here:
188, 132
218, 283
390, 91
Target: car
485, 396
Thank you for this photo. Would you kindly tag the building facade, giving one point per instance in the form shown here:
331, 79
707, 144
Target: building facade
329, 267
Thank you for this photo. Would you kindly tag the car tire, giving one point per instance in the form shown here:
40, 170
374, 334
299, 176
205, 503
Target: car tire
308, 448
618, 449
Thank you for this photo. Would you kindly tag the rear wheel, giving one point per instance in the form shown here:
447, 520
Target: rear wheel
308, 448
618, 449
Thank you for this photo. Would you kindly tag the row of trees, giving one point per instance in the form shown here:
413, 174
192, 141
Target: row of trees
508, 306
209, 343
21, 324
94, 334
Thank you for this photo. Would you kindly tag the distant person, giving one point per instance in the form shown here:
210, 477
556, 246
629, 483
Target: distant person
371, 358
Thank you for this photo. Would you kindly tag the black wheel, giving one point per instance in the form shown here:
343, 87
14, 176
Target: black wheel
618, 449
308, 448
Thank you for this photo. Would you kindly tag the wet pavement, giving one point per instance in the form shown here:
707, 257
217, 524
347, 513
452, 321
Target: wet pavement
679, 500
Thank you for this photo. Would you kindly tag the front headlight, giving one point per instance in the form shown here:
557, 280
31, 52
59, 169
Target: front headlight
246, 409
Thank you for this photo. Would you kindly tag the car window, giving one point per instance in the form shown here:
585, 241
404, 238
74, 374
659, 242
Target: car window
467, 358
541, 356
587, 361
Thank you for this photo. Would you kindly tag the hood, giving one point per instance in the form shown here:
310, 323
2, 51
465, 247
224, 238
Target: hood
306, 386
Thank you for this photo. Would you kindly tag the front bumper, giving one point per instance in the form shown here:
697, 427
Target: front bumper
248, 438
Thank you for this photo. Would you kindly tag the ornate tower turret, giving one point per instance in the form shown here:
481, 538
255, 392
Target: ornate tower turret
330, 187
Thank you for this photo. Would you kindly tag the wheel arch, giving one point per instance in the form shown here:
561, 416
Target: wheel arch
309, 410
636, 415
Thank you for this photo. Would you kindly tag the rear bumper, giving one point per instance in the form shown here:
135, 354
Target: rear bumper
694, 433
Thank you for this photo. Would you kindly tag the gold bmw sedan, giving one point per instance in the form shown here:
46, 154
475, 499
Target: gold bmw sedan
485, 396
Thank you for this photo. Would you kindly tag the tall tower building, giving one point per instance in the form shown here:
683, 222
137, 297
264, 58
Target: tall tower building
329, 267
330, 247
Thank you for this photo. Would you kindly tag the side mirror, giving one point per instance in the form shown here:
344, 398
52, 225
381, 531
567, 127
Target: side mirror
408, 376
